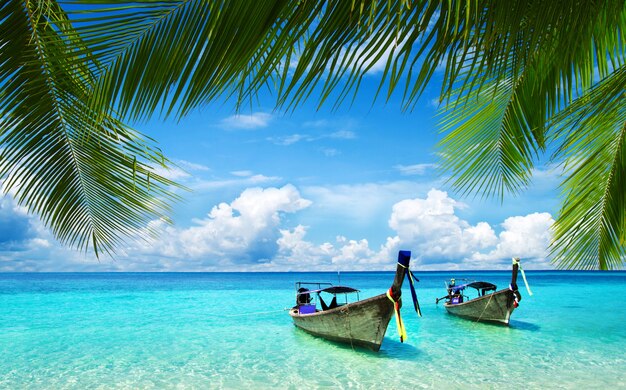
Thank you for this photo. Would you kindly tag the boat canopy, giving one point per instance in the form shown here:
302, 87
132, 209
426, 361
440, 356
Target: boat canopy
484, 286
332, 290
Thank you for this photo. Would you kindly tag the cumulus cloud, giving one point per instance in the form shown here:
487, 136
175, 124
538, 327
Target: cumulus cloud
438, 238
432, 227
245, 230
27, 245
296, 253
247, 122
250, 233
526, 236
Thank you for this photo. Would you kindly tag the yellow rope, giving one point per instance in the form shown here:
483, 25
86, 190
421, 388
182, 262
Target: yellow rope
399, 323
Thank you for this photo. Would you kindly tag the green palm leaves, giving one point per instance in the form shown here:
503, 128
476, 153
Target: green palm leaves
591, 228
520, 80
174, 56
82, 171
501, 118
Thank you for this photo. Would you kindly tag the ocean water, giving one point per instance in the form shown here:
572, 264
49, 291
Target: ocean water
230, 330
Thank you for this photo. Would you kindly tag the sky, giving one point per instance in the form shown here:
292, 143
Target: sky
310, 190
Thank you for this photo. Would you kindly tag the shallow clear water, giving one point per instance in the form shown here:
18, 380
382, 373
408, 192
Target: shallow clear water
229, 330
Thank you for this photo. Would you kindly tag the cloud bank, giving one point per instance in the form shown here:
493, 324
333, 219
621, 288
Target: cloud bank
252, 233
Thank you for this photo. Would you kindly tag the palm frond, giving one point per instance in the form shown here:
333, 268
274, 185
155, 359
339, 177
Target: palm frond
508, 68
86, 174
494, 135
177, 55
591, 227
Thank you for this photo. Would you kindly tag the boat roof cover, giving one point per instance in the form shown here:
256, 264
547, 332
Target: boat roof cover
476, 285
333, 290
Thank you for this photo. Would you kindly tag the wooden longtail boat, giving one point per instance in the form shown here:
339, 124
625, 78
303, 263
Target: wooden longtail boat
495, 307
361, 323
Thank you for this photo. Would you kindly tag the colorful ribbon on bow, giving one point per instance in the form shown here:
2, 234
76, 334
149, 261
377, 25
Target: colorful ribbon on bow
411, 277
396, 308
396, 303
516, 260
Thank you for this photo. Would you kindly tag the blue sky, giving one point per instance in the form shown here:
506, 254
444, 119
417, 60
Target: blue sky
310, 190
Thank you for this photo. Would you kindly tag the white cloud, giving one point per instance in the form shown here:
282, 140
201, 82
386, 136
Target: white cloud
379, 65
438, 238
434, 102
431, 227
522, 236
240, 181
249, 233
290, 139
171, 173
342, 134
245, 230
295, 253
244, 173
180, 170
295, 138
191, 166
415, 169
317, 124
360, 202
330, 152
248, 122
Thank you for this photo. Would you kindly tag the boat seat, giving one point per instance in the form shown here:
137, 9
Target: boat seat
307, 309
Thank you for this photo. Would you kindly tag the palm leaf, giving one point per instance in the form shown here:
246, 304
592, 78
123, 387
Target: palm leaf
494, 137
591, 227
177, 55
85, 173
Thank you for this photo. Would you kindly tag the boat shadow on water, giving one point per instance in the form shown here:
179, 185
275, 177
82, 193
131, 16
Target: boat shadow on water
525, 326
514, 325
391, 349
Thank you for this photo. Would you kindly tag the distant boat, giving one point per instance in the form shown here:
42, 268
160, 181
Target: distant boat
495, 307
361, 323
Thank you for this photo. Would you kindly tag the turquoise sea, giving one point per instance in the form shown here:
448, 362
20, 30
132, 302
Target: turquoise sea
230, 330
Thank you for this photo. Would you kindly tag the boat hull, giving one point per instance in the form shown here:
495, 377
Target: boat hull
361, 323
496, 307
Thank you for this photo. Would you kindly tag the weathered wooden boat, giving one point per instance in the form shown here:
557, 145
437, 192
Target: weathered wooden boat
495, 307
361, 323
